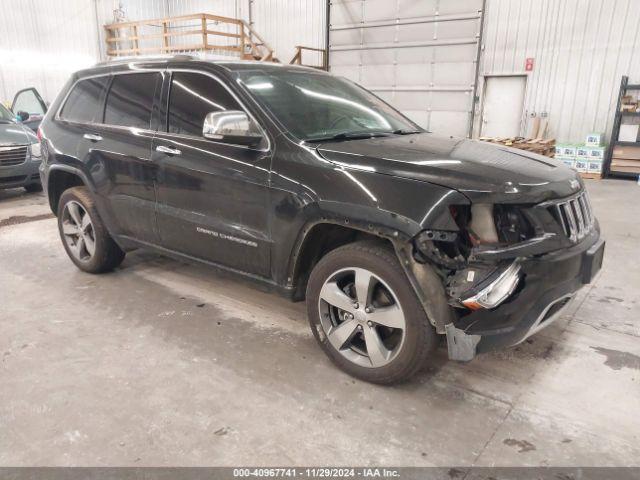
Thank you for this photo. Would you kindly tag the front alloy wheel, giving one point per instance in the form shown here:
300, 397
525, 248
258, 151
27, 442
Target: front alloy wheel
365, 314
361, 317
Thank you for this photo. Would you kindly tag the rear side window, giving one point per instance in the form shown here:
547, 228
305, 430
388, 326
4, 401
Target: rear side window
191, 98
84, 103
130, 100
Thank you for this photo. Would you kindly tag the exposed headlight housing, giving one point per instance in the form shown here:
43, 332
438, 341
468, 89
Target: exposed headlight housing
497, 291
36, 152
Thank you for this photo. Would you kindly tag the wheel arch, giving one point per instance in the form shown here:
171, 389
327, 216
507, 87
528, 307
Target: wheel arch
61, 178
323, 236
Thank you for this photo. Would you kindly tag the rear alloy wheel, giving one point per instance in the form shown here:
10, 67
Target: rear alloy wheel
83, 235
77, 231
366, 316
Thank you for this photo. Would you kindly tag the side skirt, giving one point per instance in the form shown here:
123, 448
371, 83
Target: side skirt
264, 284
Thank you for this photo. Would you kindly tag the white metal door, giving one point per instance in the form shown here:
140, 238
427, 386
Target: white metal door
418, 55
503, 106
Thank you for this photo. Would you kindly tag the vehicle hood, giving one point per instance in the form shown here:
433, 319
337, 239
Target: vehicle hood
16, 134
481, 171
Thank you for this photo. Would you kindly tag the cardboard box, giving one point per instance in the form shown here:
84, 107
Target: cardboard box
628, 133
626, 153
594, 140
568, 161
568, 151
596, 153
582, 153
594, 166
582, 165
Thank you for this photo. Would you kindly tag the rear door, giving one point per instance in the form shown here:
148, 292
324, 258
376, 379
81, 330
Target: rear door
212, 196
117, 151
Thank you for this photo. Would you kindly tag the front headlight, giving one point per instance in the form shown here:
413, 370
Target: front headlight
36, 152
497, 291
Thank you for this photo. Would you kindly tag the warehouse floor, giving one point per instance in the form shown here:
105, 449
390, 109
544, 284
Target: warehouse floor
164, 363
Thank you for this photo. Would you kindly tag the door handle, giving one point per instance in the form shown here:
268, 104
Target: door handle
168, 150
92, 137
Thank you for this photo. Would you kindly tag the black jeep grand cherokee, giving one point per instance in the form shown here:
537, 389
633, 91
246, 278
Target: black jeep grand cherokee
310, 184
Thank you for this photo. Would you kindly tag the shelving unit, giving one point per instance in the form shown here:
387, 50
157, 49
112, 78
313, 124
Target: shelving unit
608, 169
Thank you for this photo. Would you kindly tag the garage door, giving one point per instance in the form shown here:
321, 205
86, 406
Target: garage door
419, 55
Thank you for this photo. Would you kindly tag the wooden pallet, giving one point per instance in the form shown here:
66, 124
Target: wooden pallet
200, 32
591, 176
535, 145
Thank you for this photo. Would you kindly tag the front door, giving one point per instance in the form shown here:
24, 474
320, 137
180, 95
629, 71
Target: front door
212, 196
502, 112
29, 101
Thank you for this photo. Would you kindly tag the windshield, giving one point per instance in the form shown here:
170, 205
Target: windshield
5, 115
315, 106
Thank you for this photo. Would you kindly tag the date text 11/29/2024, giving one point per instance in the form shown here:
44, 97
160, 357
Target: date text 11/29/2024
316, 472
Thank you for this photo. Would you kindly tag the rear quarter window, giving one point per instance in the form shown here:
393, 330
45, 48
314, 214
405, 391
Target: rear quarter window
84, 103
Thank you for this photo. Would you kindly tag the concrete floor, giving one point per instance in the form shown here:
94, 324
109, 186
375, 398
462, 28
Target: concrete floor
164, 363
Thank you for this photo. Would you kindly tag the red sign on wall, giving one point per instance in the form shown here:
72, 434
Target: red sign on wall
528, 65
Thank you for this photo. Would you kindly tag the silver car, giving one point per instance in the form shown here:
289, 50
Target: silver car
19, 154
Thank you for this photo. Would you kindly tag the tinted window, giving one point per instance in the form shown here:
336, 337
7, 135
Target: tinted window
130, 100
314, 105
84, 102
192, 97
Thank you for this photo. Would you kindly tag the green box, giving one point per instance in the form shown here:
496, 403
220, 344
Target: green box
594, 166
568, 161
582, 152
594, 140
596, 153
582, 165
566, 150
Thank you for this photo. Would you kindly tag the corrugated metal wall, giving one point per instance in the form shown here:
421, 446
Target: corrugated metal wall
42, 41
420, 56
287, 23
581, 49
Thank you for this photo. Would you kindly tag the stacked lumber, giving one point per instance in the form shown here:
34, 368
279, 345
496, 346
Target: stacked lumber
535, 145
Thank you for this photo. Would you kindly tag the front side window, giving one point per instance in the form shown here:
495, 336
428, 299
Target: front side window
29, 101
130, 100
192, 97
315, 105
84, 103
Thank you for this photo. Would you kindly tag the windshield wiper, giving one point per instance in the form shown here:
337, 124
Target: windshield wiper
349, 136
405, 132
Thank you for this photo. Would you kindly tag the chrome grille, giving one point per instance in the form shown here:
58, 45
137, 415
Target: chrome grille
10, 156
575, 216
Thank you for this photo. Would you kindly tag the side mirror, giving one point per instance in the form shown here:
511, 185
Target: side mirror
232, 126
22, 116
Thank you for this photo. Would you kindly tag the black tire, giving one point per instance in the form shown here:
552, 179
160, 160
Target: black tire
420, 337
108, 254
33, 187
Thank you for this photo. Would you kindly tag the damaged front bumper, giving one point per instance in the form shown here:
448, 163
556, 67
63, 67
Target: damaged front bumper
546, 284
